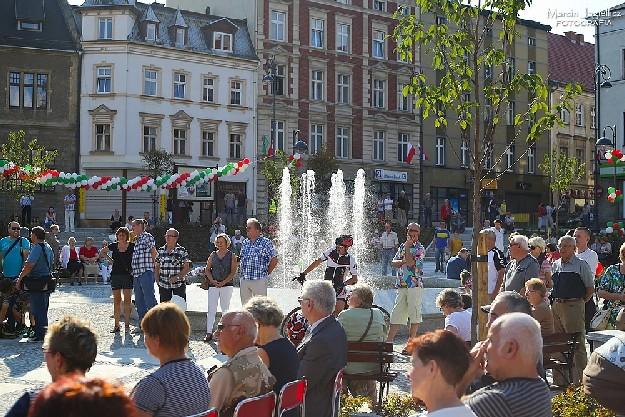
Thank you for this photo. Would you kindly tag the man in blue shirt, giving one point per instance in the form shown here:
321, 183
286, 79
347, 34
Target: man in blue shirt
13, 250
457, 264
441, 241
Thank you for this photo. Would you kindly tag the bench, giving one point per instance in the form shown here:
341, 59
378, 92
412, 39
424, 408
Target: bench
380, 353
559, 350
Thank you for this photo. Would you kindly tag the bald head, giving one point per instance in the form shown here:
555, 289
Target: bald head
245, 321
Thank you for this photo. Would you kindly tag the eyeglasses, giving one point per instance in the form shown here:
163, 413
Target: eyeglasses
413, 230
533, 247
300, 299
222, 326
171, 236
15, 228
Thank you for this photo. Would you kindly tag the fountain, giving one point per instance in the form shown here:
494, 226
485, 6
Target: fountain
285, 222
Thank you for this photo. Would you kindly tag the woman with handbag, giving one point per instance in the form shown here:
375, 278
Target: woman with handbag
36, 279
611, 289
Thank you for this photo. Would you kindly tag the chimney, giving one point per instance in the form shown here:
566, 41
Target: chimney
208, 10
570, 35
580, 38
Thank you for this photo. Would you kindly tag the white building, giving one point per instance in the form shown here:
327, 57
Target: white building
155, 77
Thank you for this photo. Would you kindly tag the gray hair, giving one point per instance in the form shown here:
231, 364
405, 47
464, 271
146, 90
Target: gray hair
225, 237
537, 241
265, 311
525, 330
521, 240
255, 222
322, 295
246, 322
449, 297
171, 229
71, 239
566, 238
515, 302
489, 233
364, 294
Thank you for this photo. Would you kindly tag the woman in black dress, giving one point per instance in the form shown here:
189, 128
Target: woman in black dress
120, 254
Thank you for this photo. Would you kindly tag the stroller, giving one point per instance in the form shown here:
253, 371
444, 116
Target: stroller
457, 223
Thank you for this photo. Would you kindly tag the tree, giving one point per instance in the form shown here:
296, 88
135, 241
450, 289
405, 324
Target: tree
324, 165
157, 162
272, 168
30, 155
563, 172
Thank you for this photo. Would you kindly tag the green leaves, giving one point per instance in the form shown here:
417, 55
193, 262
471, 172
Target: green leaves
563, 170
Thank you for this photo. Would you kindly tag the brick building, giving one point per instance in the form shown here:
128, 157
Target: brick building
39, 87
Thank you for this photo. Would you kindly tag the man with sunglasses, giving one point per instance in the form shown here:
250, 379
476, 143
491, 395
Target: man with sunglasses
14, 251
522, 265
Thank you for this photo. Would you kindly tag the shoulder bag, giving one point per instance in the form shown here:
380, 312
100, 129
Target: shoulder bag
600, 320
40, 284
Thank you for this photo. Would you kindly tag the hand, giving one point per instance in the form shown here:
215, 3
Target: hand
301, 278
18, 284
409, 241
173, 279
477, 365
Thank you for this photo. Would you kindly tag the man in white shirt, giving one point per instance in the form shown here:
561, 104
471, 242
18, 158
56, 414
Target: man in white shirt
496, 264
499, 235
389, 243
582, 237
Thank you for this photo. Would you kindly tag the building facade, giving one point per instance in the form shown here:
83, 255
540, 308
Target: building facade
338, 80
155, 77
39, 88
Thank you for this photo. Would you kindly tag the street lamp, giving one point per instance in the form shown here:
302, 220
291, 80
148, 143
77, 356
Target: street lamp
271, 74
602, 80
604, 142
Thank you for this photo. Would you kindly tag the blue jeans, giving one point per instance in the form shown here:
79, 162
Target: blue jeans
144, 293
440, 259
387, 256
39, 302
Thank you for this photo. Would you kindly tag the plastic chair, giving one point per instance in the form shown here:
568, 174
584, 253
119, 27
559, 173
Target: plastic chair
336, 393
292, 395
262, 406
210, 413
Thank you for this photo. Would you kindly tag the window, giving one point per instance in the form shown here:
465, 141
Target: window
404, 10
208, 143
180, 84
180, 141
440, 151
278, 82
14, 89
208, 90
565, 116
531, 160
464, 154
342, 37
28, 90
25, 25
402, 146
278, 22
343, 1
104, 80
150, 32
378, 93
342, 89
378, 145
579, 155
236, 92
235, 146
316, 33
593, 115
102, 137
403, 102
278, 131
222, 42
531, 67
510, 69
149, 138
564, 150
42, 91
510, 158
510, 113
579, 115
378, 44
531, 41
342, 142
105, 28
316, 91
150, 82
379, 5
441, 20
180, 35
316, 138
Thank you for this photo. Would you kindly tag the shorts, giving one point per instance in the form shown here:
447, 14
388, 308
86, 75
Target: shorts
407, 306
121, 282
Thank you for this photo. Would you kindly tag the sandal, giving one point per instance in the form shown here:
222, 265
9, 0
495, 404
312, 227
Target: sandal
115, 329
208, 337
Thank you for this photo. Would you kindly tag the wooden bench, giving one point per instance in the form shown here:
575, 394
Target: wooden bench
559, 351
381, 354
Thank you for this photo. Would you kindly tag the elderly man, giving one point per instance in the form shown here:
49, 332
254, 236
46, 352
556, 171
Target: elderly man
522, 265
573, 285
457, 264
244, 375
143, 259
496, 263
258, 259
323, 351
513, 347
171, 267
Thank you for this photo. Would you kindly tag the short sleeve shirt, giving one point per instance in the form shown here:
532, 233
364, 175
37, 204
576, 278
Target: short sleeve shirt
41, 268
88, 253
12, 262
591, 258
519, 272
461, 320
441, 236
69, 201
411, 276
142, 254
496, 262
255, 258
575, 265
171, 263
613, 282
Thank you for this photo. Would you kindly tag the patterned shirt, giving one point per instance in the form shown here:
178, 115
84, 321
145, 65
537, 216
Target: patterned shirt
410, 276
142, 254
69, 200
255, 258
613, 282
171, 264
514, 397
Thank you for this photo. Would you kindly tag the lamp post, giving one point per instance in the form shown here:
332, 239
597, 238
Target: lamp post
271, 73
602, 80
604, 142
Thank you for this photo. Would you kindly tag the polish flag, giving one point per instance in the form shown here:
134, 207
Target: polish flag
411, 153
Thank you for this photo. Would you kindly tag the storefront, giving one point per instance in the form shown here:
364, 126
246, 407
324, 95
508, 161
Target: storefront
388, 182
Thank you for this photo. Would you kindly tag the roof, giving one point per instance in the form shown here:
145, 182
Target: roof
179, 20
59, 31
571, 62
149, 16
88, 3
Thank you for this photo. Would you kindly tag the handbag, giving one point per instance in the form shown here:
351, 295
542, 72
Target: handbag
40, 284
600, 319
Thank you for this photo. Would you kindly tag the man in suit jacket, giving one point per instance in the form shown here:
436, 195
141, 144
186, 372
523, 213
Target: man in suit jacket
323, 351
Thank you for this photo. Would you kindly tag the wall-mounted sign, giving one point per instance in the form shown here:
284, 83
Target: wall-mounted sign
489, 184
386, 175
203, 191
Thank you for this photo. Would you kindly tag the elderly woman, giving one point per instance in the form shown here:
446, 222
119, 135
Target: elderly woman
439, 362
179, 387
537, 250
536, 294
120, 254
276, 352
362, 323
221, 267
70, 260
612, 287
457, 319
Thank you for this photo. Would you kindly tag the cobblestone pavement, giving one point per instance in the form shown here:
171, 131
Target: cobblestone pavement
120, 356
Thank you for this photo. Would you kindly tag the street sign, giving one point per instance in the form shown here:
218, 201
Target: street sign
393, 176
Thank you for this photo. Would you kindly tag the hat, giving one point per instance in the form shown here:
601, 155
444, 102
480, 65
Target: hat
486, 308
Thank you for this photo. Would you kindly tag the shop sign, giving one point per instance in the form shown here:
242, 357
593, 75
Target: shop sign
386, 175
489, 184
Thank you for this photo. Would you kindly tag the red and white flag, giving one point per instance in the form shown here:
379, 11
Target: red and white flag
412, 151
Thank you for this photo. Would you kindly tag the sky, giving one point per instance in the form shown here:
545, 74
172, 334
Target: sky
572, 14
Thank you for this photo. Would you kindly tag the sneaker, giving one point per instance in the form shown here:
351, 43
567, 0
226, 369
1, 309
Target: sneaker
30, 333
35, 339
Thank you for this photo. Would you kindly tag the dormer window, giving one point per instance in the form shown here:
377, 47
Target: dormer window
222, 42
180, 35
26, 25
150, 32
